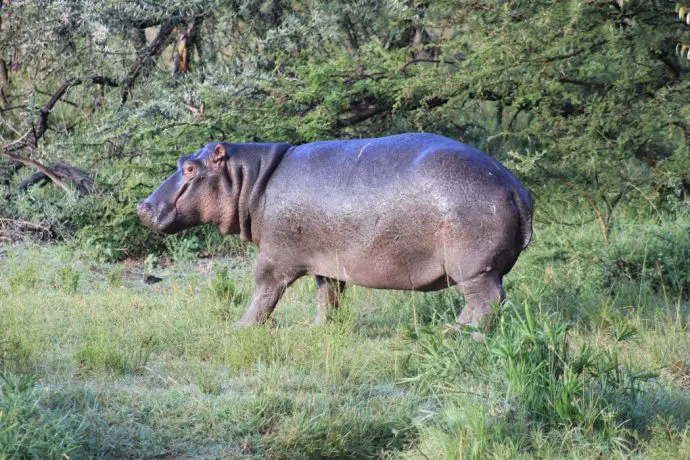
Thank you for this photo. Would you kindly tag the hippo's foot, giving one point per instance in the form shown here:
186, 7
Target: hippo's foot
241, 324
244, 323
319, 321
457, 328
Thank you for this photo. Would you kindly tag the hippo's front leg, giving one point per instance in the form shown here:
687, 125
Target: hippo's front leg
330, 293
271, 282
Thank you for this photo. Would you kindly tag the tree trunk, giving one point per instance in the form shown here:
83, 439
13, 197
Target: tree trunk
4, 84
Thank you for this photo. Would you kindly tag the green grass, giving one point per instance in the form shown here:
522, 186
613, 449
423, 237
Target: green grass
588, 360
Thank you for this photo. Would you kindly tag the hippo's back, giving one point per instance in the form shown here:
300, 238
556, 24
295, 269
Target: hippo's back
376, 162
426, 169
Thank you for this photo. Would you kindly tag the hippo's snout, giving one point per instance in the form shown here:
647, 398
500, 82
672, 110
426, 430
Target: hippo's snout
145, 213
161, 218
144, 208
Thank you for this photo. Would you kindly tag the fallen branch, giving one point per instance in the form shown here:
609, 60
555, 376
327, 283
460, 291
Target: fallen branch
25, 223
29, 140
81, 180
43, 169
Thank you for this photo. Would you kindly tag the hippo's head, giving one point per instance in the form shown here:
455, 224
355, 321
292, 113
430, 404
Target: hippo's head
192, 195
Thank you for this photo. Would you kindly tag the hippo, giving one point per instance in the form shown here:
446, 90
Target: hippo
411, 211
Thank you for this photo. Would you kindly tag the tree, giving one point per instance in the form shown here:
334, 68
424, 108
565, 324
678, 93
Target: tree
582, 97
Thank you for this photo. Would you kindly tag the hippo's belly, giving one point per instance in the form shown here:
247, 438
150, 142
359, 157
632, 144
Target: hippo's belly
388, 268
387, 244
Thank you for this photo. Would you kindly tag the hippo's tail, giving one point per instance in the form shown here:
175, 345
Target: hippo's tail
523, 201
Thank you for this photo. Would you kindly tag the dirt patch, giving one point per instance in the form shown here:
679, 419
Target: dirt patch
13, 230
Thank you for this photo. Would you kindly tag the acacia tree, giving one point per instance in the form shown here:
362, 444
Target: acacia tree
52, 54
579, 96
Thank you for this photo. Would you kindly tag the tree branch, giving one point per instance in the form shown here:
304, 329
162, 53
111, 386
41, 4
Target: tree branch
35, 164
403, 69
571, 54
361, 116
372, 110
45, 111
34, 134
146, 59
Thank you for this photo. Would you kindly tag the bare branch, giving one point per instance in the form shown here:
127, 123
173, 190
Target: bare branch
403, 69
45, 111
35, 164
146, 58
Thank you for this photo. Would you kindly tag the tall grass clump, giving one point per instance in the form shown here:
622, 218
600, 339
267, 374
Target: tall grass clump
654, 255
229, 295
22, 277
27, 430
524, 380
114, 356
223, 287
67, 279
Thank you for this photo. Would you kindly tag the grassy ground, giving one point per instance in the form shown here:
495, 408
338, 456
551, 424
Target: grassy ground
589, 360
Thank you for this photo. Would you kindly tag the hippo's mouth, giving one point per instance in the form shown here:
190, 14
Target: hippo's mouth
160, 220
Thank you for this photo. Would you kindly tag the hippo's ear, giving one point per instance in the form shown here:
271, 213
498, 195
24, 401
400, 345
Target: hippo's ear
218, 156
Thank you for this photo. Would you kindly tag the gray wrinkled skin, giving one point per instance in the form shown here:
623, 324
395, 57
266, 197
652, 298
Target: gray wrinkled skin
412, 211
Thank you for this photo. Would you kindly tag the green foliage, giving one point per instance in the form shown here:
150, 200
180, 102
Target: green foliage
183, 248
109, 230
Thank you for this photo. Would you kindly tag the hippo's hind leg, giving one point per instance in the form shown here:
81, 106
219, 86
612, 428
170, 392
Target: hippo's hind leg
271, 283
330, 294
482, 293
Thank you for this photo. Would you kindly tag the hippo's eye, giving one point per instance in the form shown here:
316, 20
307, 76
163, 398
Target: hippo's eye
189, 169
